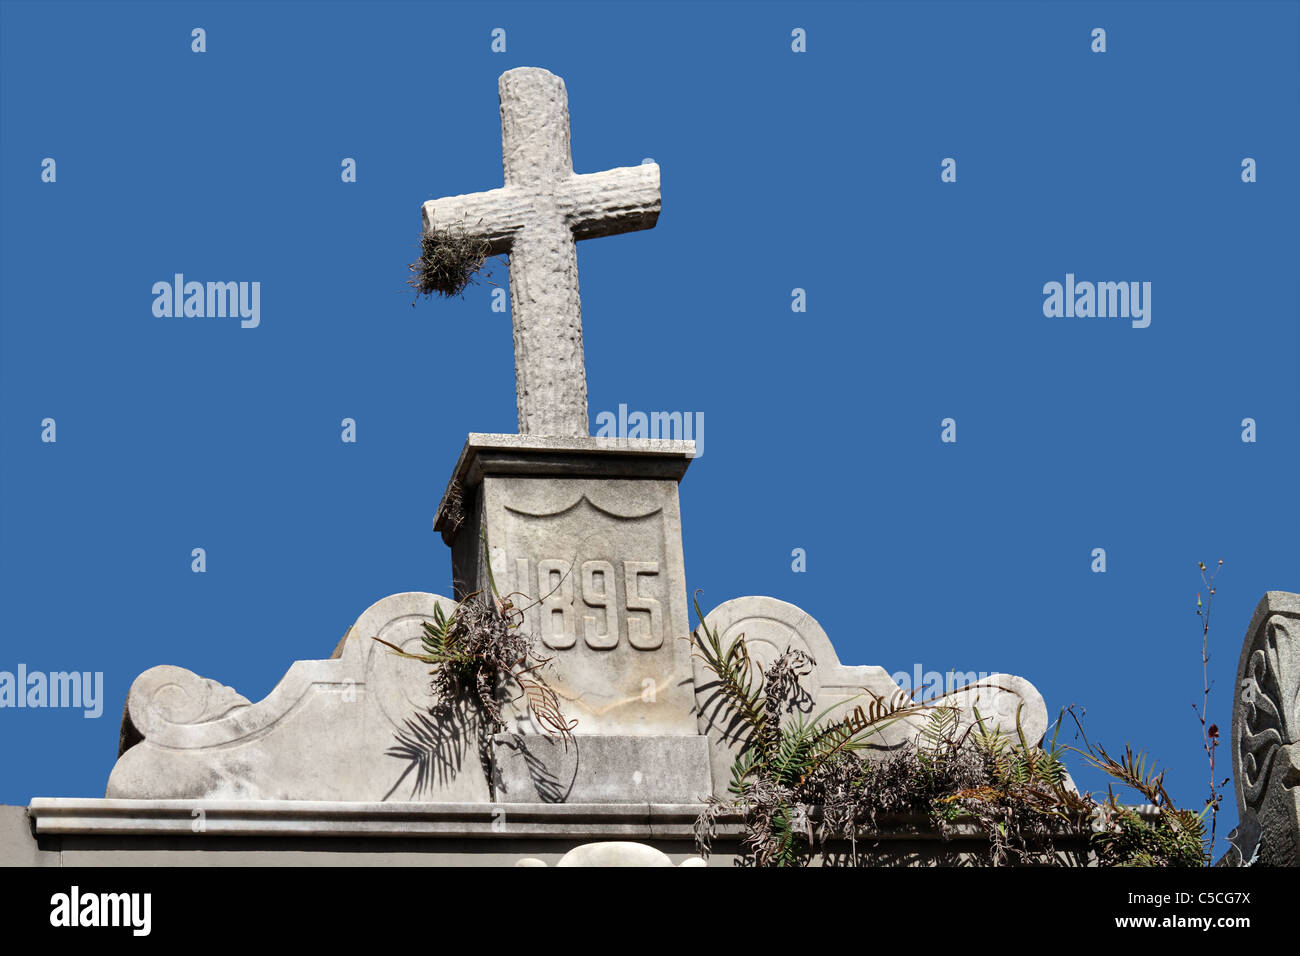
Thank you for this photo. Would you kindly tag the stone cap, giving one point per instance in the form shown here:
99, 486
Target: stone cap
496, 454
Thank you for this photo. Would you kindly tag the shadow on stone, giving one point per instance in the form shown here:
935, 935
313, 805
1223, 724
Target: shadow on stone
547, 787
433, 745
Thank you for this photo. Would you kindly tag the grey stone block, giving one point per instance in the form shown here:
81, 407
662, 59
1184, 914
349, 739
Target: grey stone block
18, 846
602, 769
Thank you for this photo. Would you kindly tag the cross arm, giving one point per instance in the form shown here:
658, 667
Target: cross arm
496, 215
625, 199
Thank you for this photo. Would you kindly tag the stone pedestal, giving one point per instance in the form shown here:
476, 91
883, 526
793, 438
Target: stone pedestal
585, 534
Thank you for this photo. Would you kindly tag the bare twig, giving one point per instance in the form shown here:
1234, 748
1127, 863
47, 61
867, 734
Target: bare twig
1209, 731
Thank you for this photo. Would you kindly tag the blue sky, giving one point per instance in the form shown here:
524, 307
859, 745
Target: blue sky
817, 170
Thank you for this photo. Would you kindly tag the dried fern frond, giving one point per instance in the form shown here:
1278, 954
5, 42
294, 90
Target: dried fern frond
734, 696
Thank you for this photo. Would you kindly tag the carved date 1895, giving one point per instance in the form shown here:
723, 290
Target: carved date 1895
597, 601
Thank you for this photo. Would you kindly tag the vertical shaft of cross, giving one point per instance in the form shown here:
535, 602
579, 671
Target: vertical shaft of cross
534, 127
550, 368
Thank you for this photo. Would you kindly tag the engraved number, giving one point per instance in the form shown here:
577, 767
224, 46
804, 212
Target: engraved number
597, 579
556, 585
597, 588
639, 635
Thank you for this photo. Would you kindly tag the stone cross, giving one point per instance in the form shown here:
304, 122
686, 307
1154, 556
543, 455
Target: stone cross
537, 218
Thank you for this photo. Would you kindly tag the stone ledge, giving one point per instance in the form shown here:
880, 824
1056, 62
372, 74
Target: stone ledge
279, 818
493, 821
477, 442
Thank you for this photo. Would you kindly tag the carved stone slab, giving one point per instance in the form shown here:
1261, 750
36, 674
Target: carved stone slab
771, 626
355, 727
1266, 733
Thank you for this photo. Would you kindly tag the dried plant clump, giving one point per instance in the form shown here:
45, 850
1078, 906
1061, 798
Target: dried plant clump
454, 508
787, 761
1020, 797
1171, 837
449, 258
480, 653
1167, 841
475, 647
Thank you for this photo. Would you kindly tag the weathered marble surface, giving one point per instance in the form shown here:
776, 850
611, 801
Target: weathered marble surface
602, 768
354, 727
1266, 734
